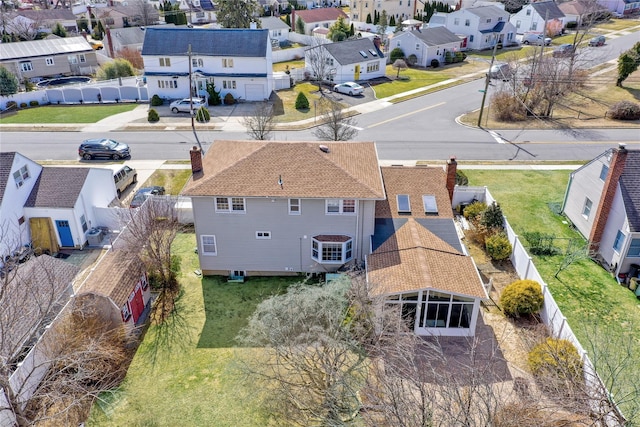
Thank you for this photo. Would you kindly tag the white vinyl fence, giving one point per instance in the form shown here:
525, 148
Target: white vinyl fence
551, 315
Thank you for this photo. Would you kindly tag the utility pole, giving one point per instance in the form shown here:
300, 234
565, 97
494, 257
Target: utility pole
191, 112
487, 80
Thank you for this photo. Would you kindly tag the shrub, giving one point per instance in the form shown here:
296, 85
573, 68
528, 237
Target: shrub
23, 105
571, 25
507, 107
498, 246
435, 63
202, 115
522, 297
492, 218
11, 105
541, 244
557, 364
448, 57
152, 116
624, 110
396, 54
461, 178
176, 261
302, 103
214, 95
459, 56
33, 103
229, 99
412, 59
156, 101
474, 211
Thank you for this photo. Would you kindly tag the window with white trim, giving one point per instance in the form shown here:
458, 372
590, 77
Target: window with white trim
209, 246
230, 204
467, 23
263, 235
165, 62
373, 66
456, 21
332, 249
83, 223
586, 210
82, 58
528, 12
634, 248
404, 204
227, 62
617, 244
168, 84
26, 66
534, 26
21, 175
228, 84
49, 62
340, 206
294, 207
197, 62
604, 172
124, 311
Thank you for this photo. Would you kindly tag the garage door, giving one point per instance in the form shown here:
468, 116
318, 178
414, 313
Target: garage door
254, 92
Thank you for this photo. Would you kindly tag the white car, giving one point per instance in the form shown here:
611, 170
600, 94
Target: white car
349, 88
183, 105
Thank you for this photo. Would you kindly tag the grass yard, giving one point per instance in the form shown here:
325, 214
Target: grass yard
173, 180
192, 382
588, 296
66, 113
282, 66
285, 101
618, 24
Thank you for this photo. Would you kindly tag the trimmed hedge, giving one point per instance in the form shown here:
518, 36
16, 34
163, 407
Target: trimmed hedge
153, 116
522, 297
557, 363
498, 246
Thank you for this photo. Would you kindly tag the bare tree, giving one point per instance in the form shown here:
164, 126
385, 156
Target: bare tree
261, 123
147, 13
319, 62
337, 126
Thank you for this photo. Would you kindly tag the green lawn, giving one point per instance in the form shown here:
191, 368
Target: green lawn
66, 113
192, 382
173, 180
588, 296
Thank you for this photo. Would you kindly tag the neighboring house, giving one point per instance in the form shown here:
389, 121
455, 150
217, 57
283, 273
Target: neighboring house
39, 21
64, 199
68, 56
418, 263
314, 18
400, 9
127, 16
351, 60
603, 202
273, 208
532, 17
119, 286
278, 29
581, 11
481, 26
123, 38
50, 207
621, 7
237, 61
427, 44
18, 175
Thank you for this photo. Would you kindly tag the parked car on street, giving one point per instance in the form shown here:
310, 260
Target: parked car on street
349, 88
564, 50
501, 71
597, 41
103, 147
536, 39
144, 193
184, 105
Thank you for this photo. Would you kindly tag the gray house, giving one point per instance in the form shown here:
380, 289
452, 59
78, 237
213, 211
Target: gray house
603, 202
533, 16
273, 208
69, 56
427, 44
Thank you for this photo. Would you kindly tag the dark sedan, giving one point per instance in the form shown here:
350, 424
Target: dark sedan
108, 148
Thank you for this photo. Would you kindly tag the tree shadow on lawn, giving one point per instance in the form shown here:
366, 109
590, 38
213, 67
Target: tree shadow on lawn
228, 306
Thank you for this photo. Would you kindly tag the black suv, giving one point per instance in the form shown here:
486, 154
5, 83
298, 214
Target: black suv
103, 148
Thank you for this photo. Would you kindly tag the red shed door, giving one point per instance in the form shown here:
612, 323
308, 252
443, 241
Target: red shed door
136, 302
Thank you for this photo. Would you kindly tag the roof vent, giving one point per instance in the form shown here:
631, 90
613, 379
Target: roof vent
324, 148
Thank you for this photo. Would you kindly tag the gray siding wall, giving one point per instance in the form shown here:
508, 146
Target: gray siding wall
289, 249
60, 65
586, 183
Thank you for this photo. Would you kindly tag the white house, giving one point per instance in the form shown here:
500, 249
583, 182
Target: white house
350, 60
532, 17
237, 61
603, 202
278, 29
427, 44
482, 26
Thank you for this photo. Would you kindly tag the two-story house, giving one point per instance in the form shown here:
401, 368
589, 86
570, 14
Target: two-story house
237, 61
483, 26
349, 60
399, 9
427, 44
602, 201
316, 18
532, 18
38, 59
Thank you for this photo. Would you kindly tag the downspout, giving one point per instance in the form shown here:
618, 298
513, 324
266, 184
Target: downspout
358, 232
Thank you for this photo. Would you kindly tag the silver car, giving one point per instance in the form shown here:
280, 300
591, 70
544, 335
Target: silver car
184, 105
349, 88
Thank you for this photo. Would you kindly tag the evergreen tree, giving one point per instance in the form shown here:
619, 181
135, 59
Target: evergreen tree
369, 21
352, 30
8, 82
299, 26
392, 21
287, 20
238, 13
59, 30
339, 30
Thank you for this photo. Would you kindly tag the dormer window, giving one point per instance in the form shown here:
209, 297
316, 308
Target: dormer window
430, 205
404, 207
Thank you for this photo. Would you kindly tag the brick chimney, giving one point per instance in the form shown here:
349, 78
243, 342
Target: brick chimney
616, 167
293, 19
196, 159
109, 41
377, 43
452, 168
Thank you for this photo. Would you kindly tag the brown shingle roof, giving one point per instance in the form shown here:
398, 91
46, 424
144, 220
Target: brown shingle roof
415, 182
57, 188
254, 168
320, 15
414, 258
115, 276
